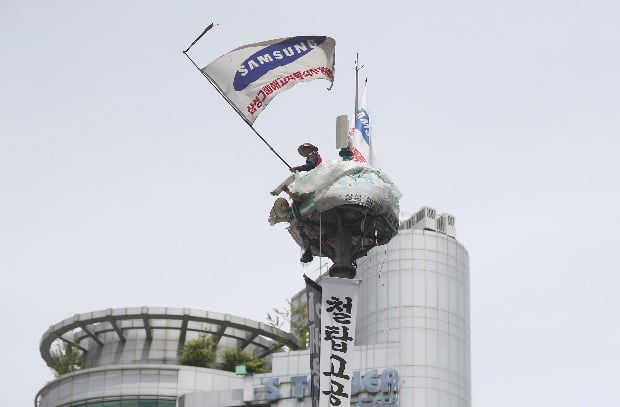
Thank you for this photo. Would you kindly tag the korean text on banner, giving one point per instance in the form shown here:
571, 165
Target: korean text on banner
338, 315
252, 75
313, 298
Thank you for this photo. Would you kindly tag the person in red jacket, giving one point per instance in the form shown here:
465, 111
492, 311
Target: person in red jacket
312, 157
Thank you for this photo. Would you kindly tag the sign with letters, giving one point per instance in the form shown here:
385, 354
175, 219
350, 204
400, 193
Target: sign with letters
338, 316
250, 76
369, 388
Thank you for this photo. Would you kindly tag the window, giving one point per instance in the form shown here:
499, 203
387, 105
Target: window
129, 403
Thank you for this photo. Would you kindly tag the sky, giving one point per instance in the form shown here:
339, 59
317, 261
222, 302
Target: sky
126, 180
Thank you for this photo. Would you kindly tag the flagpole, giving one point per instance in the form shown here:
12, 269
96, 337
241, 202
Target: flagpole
221, 92
210, 26
347, 153
357, 70
357, 55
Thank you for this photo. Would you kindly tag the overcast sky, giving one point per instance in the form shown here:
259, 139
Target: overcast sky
125, 179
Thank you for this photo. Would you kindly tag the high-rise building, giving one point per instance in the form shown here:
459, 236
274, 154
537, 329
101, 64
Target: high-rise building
412, 340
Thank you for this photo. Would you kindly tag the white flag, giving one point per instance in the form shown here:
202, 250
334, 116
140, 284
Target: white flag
252, 75
362, 142
338, 315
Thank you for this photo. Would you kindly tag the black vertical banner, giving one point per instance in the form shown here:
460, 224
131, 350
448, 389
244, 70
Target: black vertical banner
314, 298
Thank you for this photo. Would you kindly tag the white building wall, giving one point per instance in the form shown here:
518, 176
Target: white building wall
416, 291
135, 381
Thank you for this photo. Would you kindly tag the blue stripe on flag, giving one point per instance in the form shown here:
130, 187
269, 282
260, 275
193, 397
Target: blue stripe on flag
362, 124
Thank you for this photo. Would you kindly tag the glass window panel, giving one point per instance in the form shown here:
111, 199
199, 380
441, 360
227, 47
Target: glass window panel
431, 347
458, 255
65, 388
405, 240
159, 334
419, 346
419, 288
167, 379
431, 289
394, 254
418, 240
432, 398
419, 397
80, 385
406, 288
393, 288
454, 359
453, 287
392, 265
129, 403
452, 248
451, 262
158, 344
442, 292
462, 359
443, 349
419, 254
149, 378
406, 253
130, 378
52, 393
461, 294
392, 244
112, 379
430, 242
407, 345
444, 399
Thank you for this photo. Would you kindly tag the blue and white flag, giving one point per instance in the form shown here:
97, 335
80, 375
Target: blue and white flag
362, 142
252, 75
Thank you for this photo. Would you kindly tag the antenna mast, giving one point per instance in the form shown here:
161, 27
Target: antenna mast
357, 69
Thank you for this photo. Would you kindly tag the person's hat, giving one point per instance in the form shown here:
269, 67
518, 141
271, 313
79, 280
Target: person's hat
306, 146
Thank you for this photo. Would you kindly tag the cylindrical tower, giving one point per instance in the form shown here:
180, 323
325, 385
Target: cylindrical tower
415, 292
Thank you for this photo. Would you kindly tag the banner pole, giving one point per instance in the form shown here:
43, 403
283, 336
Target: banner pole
221, 92
210, 26
357, 56
357, 69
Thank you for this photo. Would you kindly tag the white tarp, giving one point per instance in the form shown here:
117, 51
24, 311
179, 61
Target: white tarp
336, 183
338, 316
252, 75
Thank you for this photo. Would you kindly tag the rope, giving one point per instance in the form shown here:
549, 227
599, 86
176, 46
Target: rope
320, 243
382, 284
362, 227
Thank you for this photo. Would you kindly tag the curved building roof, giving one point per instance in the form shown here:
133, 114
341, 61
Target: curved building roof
92, 331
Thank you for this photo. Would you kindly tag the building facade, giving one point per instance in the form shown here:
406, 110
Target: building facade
412, 340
